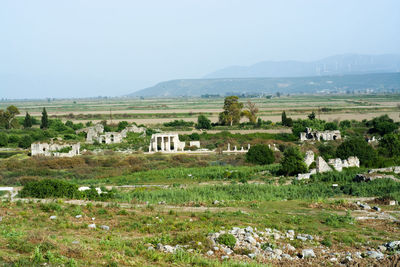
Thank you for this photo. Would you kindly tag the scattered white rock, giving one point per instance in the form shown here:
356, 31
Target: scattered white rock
224, 257
78, 216
210, 253
375, 254
53, 217
92, 226
308, 253
105, 227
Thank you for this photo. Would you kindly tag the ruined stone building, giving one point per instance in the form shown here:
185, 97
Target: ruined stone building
309, 134
96, 134
62, 150
322, 166
166, 142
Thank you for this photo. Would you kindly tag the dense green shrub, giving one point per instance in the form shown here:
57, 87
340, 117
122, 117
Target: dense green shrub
331, 126
227, 239
292, 162
25, 141
203, 122
357, 146
327, 151
50, 188
337, 221
3, 139
389, 145
260, 154
179, 123
382, 125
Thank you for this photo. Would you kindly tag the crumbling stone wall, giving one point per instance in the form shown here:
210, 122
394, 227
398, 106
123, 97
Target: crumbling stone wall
309, 134
52, 149
96, 133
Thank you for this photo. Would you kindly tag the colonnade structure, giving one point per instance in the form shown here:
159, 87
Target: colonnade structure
166, 142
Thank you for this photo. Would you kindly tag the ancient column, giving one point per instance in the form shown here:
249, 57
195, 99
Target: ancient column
168, 143
162, 143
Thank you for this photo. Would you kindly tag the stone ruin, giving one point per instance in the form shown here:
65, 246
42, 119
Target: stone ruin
309, 134
322, 166
55, 149
166, 142
96, 133
235, 150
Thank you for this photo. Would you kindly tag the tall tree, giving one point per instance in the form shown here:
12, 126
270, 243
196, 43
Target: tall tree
203, 122
7, 117
27, 121
251, 112
284, 118
45, 120
311, 116
232, 111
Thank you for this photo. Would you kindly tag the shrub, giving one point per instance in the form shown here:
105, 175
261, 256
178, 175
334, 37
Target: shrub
227, 239
25, 141
382, 125
357, 147
203, 122
389, 144
338, 221
330, 126
260, 154
50, 188
3, 139
179, 123
292, 162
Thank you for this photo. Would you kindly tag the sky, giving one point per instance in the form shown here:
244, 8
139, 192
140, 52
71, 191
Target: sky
84, 48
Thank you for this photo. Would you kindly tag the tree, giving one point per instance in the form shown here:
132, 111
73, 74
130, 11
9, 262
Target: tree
390, 145
27, 121
286, 121
358, 147
7, 117
382, 125
292, 162
284, 118
311, 116
203, 122
232, 111
260, 154
25, 141
3, 139
45, 120
251, 112
122, 125
331, 126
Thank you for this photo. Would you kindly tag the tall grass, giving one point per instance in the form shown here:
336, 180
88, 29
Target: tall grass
251, 192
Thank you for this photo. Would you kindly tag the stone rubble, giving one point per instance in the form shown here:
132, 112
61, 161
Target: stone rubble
263, 245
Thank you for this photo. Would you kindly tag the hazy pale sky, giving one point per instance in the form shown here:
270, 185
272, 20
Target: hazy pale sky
81, 48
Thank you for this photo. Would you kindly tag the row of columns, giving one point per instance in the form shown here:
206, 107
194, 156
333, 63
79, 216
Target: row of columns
165, 146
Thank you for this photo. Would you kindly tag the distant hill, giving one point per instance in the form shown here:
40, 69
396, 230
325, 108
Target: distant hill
380, 82
335, 65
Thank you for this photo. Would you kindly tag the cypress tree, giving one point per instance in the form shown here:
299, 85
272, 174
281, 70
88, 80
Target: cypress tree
284, 118
45, 120
27, 121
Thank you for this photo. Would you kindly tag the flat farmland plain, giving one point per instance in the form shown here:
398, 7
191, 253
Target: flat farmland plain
153, 111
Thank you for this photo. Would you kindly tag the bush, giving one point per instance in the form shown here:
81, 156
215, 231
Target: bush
227, 239
179, 123
357, 147
330, 126
50, 188
382, 125
25, 141
3, 139
389, 145
293, 162
203, 122
260, 154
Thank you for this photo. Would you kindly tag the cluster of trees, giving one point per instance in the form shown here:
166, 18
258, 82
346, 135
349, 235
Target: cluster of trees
233, 111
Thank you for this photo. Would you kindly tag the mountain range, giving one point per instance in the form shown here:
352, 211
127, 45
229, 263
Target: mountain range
334, 65
340, 73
